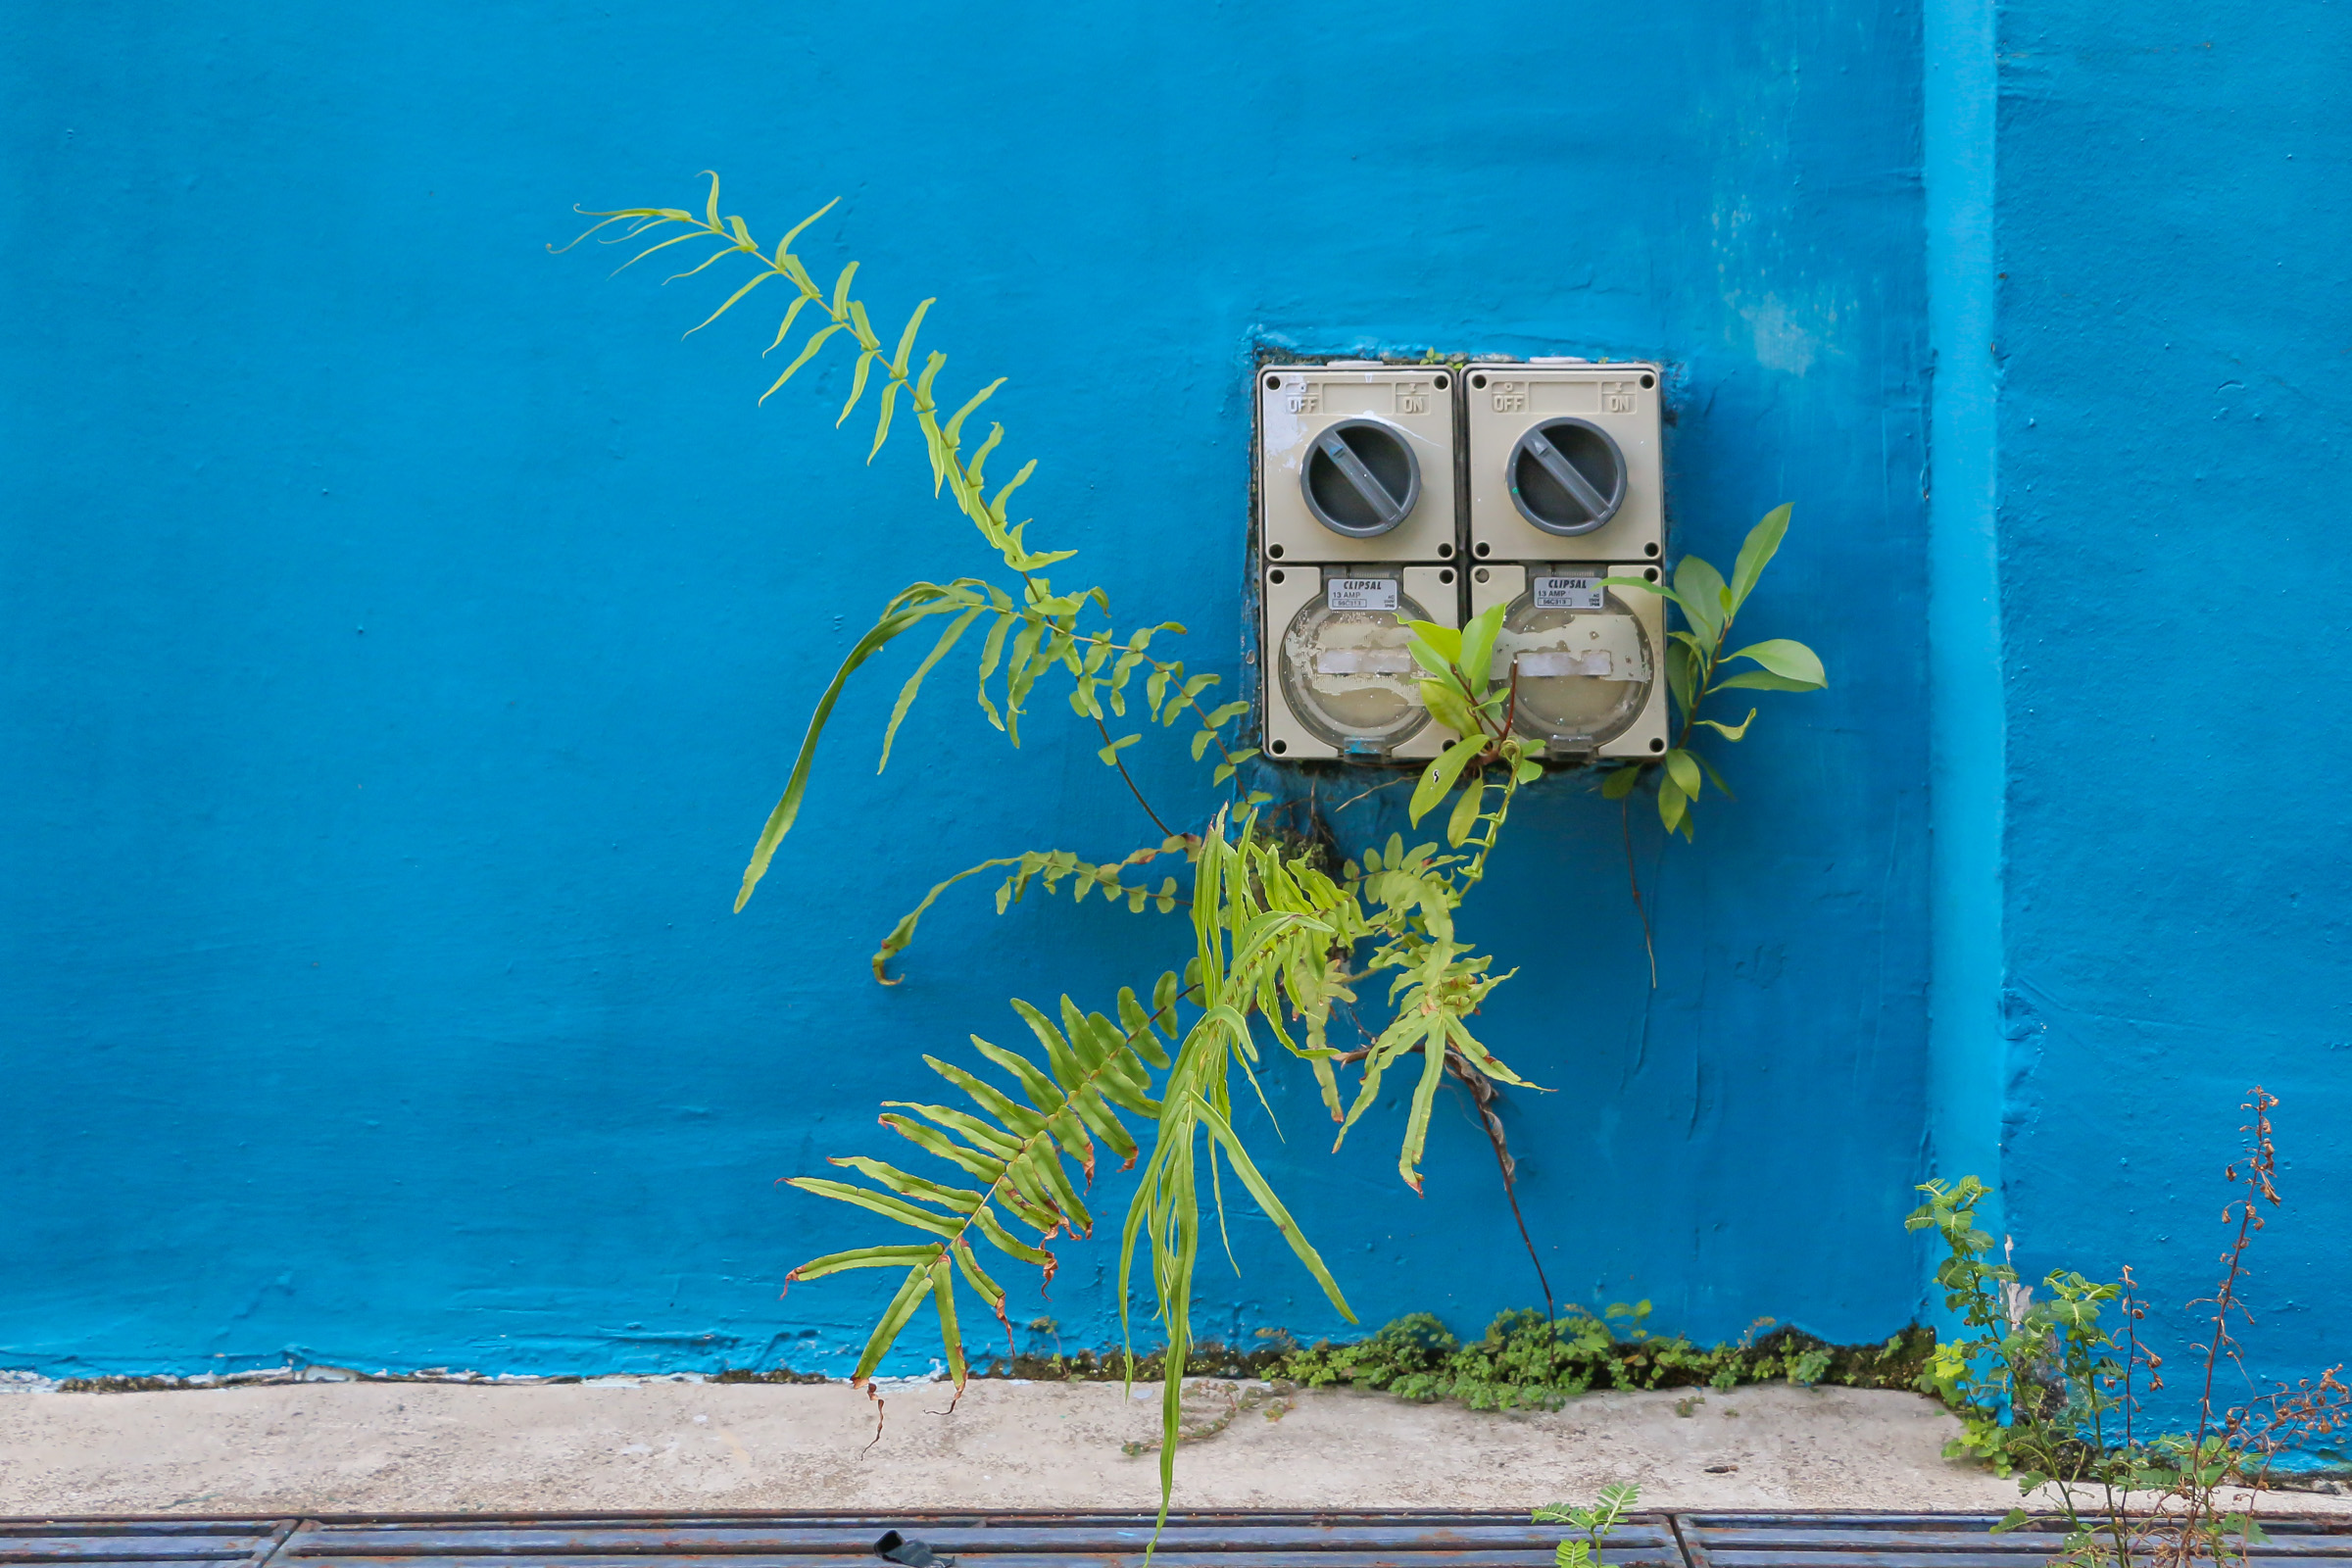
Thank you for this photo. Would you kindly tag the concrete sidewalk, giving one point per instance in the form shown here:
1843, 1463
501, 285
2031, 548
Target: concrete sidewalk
314, 1448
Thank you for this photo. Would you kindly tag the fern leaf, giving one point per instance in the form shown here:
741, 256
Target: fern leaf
783, 331
890, 397
1020, 1120
976, 1163
914, 682
756, 281
978, 1278
908, 1185
908, 610
784, 245
1004, 1241
1222, 1132
817, 340
857, 379
895, 1317
816, 1268
906, 1214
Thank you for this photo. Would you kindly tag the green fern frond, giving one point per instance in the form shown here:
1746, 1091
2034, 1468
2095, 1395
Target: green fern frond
1091, 1070
1048, 868
1038, 627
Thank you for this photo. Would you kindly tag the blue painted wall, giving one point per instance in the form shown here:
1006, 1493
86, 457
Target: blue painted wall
2174, 347
405, 632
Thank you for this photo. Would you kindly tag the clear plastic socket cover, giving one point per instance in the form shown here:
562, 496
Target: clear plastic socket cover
1349, 674
1567, 476
1583, 662
1361, 478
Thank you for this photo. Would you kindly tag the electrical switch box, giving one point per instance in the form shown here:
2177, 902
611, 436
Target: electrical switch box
1564, 458
1339, 680
1356, 462
1588, 660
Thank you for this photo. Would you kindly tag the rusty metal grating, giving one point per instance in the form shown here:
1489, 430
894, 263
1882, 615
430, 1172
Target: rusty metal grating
1026, 1539
1945, 1541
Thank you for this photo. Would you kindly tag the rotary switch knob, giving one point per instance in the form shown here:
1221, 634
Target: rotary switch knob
1361, 478
1567, 476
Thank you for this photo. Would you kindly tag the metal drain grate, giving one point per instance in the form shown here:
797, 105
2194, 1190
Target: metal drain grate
1228, 1540
143, 1543
1946, 1541
976, 1540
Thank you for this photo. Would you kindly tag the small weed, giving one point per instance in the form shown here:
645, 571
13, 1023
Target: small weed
1606, 1515
1525, 1363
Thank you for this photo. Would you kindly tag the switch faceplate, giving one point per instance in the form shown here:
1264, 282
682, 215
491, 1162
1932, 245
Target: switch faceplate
1338, 681
1590, 660
1355, 462
1564, 459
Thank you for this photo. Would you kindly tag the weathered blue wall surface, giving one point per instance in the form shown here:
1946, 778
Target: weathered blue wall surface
2175, 348
406, 633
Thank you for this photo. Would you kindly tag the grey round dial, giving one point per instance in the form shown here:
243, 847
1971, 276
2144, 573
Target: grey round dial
1567, 476
1361, 478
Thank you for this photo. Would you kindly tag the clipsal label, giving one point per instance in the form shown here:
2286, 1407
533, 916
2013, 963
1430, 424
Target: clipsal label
1568, 593
1360, 593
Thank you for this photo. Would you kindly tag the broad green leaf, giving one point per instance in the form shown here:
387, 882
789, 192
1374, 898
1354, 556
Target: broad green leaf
1683, 769
1618, 783
1727, 731
1439, 776
1699, 588
1681, 676
1464, 820
1792, 660
1478, 647
1448, 707
1762, 680
1443, 641
1111, 754
1763, 542
1643, 585
1673, 804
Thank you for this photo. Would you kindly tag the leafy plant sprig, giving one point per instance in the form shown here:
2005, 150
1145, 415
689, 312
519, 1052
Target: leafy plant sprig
1279, 941
1276, 942
1031, 630
1596, 1521
1693, 657
2047, 1393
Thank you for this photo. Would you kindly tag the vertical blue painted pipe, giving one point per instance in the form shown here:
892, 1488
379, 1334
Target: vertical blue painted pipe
1967, 721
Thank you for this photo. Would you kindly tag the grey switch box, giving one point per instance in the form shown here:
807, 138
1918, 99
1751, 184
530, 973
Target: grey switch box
1356, 462
1564, 459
